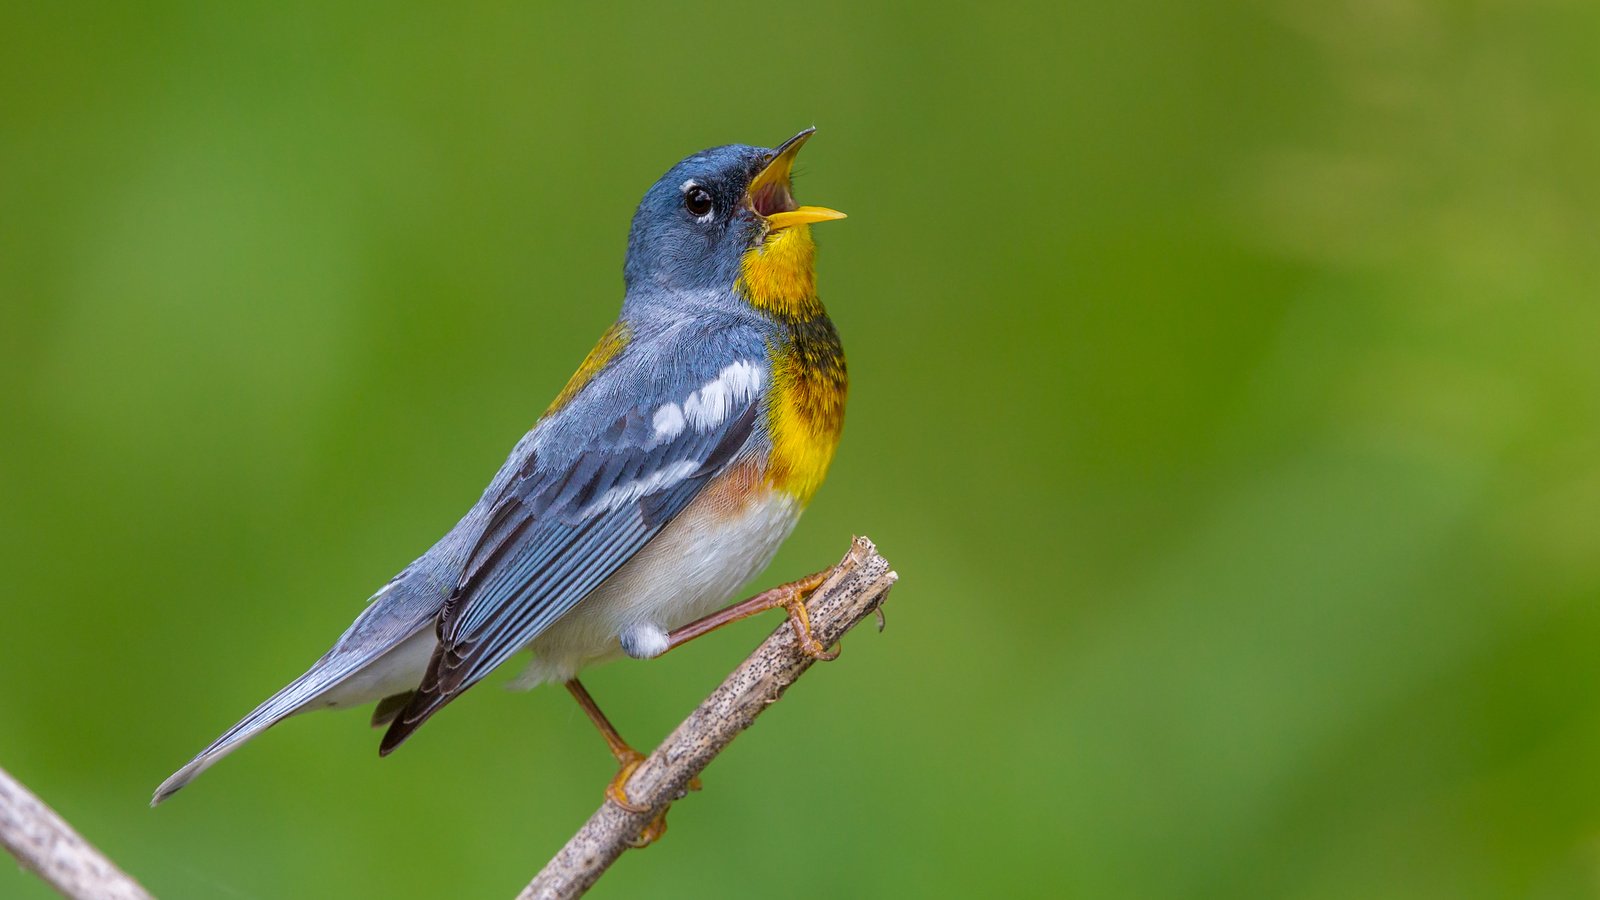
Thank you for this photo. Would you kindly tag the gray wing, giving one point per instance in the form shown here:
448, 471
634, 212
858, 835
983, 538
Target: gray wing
577, 510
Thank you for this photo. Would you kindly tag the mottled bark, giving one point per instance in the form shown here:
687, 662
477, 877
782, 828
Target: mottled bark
47, 846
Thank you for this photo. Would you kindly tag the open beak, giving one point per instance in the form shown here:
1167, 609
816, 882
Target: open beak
770, 195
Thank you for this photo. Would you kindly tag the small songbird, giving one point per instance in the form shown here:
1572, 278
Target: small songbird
664, 475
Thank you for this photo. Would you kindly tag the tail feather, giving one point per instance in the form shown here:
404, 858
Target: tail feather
389, 707
388, 642
278, 707
404, 721
341, 677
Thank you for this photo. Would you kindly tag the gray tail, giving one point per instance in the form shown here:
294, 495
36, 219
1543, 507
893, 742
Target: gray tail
398, 612
278, 707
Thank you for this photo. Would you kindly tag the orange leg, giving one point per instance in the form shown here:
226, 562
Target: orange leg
627, 758
791, 597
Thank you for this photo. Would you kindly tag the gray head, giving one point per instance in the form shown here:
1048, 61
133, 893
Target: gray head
695, 225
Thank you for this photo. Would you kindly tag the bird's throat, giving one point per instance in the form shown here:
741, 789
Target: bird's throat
780, 277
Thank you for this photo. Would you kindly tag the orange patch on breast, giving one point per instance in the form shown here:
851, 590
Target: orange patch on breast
729, 495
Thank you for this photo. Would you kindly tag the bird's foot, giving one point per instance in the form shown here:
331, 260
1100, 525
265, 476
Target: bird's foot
617, 793
793, 601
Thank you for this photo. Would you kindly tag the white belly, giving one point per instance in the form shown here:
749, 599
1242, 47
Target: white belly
692, 568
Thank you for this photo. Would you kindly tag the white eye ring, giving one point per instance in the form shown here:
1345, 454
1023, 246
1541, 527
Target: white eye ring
697, 198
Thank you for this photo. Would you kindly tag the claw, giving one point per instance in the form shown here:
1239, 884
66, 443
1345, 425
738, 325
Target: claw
615, 791
651, 832
800, 619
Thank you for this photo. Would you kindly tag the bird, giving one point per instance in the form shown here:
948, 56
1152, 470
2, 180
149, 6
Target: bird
664, 476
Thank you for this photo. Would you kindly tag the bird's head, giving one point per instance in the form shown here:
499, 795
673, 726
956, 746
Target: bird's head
724, 218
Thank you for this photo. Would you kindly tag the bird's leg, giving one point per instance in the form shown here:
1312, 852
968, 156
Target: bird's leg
791, 596
627, 758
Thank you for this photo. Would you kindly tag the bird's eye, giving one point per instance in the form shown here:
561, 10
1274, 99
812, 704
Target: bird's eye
697, 200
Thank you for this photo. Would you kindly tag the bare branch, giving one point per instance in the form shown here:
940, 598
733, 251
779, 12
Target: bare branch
855, 589
47, 846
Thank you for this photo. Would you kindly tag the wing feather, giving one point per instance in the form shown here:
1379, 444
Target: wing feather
563, 525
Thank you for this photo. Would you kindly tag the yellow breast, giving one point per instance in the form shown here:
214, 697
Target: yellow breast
805, 412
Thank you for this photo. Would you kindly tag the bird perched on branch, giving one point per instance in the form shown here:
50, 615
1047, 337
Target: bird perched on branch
664, 475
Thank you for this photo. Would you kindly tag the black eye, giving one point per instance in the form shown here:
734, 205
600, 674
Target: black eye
697, 200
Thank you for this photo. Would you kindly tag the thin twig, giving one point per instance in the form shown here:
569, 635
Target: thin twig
856, 589
47, 846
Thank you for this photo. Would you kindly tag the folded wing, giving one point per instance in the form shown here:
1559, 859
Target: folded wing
573, 514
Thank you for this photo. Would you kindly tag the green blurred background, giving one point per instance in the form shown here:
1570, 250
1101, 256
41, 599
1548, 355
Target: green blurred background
1225, 392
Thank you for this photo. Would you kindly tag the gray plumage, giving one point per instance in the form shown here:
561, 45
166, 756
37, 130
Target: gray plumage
581, 494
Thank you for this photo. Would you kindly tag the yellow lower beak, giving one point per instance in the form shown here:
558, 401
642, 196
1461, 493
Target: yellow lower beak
770, 190
805, 215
